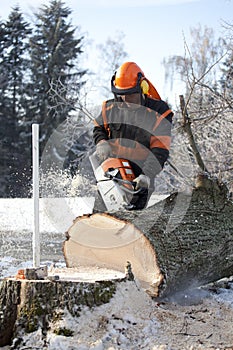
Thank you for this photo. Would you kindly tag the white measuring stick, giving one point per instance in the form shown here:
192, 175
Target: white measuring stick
35, 189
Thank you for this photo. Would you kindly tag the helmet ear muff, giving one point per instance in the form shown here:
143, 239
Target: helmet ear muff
144, 86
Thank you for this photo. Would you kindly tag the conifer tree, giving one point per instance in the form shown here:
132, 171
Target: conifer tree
55, 53
4, 171
14, 63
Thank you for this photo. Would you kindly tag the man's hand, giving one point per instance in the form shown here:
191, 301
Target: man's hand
142, 181
103, 150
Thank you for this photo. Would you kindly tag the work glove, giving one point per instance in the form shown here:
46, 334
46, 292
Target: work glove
103, 150
142, 181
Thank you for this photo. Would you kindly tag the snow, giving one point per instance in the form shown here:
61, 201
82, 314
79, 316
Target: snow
132, 320
56, 214
126, 322
118, 323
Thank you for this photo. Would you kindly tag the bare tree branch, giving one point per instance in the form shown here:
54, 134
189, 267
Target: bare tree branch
187, 128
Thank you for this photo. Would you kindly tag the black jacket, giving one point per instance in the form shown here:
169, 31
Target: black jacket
141, 134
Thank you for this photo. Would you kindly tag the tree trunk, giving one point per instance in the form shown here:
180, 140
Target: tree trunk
184, 241
187, 128
27, 305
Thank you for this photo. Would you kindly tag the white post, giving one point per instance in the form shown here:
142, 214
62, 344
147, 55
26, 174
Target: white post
35, 189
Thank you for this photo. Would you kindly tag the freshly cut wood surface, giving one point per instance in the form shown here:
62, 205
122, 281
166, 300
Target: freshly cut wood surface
183, 241
105, 241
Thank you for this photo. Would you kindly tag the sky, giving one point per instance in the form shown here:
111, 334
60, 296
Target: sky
153, 29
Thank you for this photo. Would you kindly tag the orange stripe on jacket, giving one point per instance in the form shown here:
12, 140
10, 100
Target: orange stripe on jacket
104, 116
95, 123
160, 142
161, 117
140, 152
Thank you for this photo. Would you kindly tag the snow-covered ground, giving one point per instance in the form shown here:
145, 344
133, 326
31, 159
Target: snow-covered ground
55, 214
195, 319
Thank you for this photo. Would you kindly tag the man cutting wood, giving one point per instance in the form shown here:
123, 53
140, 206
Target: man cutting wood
135, 125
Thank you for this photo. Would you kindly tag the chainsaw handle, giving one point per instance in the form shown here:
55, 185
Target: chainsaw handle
126, 182
132, 191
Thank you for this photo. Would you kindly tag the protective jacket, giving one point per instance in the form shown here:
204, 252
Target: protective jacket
141, 134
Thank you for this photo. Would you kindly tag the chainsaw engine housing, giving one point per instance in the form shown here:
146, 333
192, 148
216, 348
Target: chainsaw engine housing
114, 181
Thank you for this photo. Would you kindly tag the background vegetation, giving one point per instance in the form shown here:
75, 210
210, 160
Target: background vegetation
43, 79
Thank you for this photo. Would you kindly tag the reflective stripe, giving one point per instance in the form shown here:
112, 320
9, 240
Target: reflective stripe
160, 142
95, 123
140, 152
161, 117
104, 116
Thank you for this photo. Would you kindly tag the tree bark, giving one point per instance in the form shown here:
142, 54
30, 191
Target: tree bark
27, 305
187, 128
184, 241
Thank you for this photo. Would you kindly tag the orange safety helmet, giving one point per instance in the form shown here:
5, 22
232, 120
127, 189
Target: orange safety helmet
130, 79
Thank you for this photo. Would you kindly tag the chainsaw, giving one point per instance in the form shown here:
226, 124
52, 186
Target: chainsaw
114, 178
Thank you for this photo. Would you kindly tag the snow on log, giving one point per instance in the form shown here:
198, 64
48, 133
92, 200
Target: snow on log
183, 241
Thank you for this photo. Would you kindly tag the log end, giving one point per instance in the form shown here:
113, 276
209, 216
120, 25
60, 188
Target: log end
104, 241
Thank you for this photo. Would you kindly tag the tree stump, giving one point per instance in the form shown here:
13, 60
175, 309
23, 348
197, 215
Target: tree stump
27, 305
184, 241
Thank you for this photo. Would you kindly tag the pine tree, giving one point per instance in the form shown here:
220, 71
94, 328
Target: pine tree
55, 56
4, 171
14, 45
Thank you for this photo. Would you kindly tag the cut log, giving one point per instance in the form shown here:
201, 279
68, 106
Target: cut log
106, 241
27, 305
184, 241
